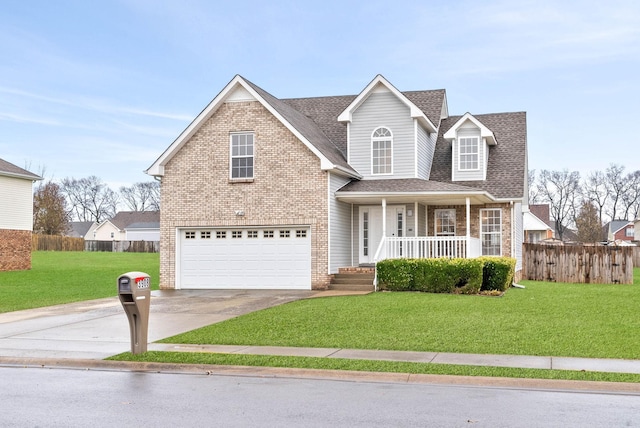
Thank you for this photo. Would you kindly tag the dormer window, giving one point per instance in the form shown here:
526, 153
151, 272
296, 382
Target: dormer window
468, 150
381, 151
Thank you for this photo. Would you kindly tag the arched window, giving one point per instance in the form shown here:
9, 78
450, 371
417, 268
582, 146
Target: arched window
381, 151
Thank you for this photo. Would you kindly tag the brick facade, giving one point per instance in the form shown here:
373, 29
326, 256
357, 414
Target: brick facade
288, 187
461, 222
15, 249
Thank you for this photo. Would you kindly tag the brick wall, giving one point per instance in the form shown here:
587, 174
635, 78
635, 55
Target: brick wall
288, 186
461, 222
15, 249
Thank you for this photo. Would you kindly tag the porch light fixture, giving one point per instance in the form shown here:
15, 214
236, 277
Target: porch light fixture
240, 213
409, 213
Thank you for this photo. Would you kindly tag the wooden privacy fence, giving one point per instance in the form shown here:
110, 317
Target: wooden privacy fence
636, 256
123, 246
578, 264
56, 243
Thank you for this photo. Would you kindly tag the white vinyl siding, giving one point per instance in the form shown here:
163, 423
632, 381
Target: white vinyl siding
426, 145
142, 235
519, 238
468, 166
382, 109
16, 203
339, 226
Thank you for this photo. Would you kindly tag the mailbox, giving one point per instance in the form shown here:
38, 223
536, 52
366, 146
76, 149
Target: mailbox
134, 290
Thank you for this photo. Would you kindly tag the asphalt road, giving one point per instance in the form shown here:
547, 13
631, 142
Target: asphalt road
57, 397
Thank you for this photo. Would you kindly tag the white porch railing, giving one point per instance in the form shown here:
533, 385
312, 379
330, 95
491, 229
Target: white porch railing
428, 247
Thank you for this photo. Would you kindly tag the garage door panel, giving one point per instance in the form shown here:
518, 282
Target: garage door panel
256, 258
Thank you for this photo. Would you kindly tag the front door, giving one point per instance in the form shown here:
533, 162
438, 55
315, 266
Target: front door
371, 228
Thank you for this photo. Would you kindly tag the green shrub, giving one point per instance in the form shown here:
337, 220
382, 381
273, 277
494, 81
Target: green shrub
498, 273
396, 274
460, 276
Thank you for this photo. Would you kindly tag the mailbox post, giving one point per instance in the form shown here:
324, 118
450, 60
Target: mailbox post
135, 295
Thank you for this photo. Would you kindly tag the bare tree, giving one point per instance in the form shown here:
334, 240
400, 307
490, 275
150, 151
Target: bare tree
142, 196
560, 189
597, 192
618, 185
90, 198
50, 215
588, 224
534, 195
631, 198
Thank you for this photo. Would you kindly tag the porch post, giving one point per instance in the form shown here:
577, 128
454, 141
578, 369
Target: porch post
384, 218
468, 203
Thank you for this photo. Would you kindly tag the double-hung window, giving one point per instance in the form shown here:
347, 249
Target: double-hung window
491, 231
381, 151
468, 153
242, 155
445, 222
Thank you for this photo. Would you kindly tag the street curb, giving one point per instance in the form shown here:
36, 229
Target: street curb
318, 374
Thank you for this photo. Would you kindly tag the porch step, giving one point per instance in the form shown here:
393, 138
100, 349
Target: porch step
353, 279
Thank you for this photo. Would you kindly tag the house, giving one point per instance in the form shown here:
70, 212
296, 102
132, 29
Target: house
260, 192
81, 229
619, 231
636, 230
536, 223
128, 226
16, 216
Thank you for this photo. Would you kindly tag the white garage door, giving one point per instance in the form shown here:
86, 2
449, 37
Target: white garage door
257, 258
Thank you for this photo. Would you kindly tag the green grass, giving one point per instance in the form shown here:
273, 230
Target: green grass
65, 277
545, 319
371, 366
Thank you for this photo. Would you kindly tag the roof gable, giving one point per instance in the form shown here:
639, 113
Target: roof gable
240, 89
506, 168
485, 132
377, 84
10, 170
124, 219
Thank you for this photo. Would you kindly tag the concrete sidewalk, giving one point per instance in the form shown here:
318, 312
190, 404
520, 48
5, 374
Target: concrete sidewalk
97, 329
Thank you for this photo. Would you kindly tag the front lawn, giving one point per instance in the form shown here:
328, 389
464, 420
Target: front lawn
546, 319
71, 276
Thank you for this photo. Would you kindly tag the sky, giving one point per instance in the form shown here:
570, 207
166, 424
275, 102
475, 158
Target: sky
104, 87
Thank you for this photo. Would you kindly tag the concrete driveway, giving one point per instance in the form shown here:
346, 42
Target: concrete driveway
97, 329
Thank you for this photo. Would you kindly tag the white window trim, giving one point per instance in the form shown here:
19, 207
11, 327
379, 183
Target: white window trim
378, 139
460, 154
483, 233
435, 220
231, 157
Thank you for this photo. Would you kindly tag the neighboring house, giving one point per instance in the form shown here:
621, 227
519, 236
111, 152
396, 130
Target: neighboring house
261, 192
81, 229
16, 216
619, 231
128, 226
536, 224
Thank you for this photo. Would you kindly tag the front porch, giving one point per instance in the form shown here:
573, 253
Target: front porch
427, 247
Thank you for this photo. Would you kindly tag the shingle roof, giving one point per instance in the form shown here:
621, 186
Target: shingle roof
79, 228
317, 118
541, 211
307, 127
507, 160
124, 219
404, 185
9, 169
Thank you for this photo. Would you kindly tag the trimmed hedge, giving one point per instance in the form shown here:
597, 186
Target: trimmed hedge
458, 276
498, 273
